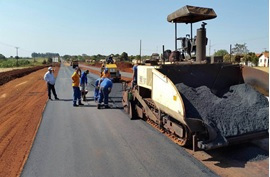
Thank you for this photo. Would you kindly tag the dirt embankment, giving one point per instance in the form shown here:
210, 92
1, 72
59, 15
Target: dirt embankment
17, 73
22, 101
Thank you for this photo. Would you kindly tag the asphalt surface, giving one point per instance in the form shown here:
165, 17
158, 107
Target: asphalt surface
85, 141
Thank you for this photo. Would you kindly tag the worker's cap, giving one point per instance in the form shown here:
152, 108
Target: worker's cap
106, 70
50, 69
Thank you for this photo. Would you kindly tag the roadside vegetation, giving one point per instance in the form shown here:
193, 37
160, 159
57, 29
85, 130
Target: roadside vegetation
37, 59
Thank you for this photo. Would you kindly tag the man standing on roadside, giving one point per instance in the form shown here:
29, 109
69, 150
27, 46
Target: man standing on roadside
49, 78
75, 84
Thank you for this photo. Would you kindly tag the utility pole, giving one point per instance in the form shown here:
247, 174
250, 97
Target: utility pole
230, 52
209, 48
140, 51
17, 55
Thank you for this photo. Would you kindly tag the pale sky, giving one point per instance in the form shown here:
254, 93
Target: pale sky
104, 27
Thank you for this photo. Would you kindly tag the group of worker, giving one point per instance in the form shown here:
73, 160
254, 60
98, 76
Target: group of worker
103, 87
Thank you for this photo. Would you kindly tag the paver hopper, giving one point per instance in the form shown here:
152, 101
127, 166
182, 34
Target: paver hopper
159, 98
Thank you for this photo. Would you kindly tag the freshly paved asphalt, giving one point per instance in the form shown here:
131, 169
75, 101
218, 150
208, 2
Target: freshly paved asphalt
84, 141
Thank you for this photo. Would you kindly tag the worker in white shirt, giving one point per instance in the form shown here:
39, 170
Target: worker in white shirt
49, 78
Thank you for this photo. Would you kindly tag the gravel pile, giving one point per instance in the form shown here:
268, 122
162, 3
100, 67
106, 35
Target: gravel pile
238, 111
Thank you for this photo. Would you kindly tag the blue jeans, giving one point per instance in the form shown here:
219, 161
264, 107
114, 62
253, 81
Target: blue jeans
103, 93
76, 94
96, 94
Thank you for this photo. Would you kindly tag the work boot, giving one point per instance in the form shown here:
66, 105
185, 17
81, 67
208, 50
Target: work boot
80, 103
107, 106
56, 98
98, 106
75, 105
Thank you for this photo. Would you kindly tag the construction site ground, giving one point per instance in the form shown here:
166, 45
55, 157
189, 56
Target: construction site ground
23, 100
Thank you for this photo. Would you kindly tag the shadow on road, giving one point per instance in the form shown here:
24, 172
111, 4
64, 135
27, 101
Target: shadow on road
237, 155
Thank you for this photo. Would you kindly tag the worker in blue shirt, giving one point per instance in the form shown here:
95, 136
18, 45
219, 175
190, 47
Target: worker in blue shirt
104, 91
97, 86
83, 84
134, 75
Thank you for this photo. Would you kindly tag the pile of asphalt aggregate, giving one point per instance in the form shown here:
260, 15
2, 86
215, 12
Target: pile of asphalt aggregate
240, 110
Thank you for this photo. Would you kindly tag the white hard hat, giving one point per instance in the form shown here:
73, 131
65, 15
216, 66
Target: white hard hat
50, 69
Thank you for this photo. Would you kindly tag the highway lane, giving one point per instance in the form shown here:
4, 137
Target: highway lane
84, 141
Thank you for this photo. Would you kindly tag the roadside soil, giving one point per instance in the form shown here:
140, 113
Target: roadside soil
22, 102
9, 69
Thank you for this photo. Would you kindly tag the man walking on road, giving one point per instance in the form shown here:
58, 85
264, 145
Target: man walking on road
49, 78
105, 89
75, 84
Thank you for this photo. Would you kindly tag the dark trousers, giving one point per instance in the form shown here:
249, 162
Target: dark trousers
76, 95
96, 94
134, 83
51, 88
103, 94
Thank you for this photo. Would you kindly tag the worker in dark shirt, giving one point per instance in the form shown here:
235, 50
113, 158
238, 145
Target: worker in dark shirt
134, 75
83, 84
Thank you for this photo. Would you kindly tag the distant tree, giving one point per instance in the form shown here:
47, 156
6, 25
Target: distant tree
45, 55
34, 55
50, 60
124, 56
44, 62
66, 57
228, 58
132, 57
240, 49
137, 57
221, 52
251, 57
237, 58
2, 56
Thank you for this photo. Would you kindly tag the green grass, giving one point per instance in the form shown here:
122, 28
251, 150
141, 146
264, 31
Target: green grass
25, 62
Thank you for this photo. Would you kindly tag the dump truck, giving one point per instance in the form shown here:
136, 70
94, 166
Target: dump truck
203, 105
74, 63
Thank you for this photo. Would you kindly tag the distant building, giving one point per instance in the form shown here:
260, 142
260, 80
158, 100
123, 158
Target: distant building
264, 59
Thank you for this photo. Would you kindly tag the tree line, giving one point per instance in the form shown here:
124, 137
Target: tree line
239, 53
45, 55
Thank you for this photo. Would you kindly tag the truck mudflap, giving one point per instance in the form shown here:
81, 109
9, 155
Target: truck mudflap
221, 141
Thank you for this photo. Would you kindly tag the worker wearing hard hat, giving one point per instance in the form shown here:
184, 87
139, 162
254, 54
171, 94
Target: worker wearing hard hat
104, 91
75, 84
49, 78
